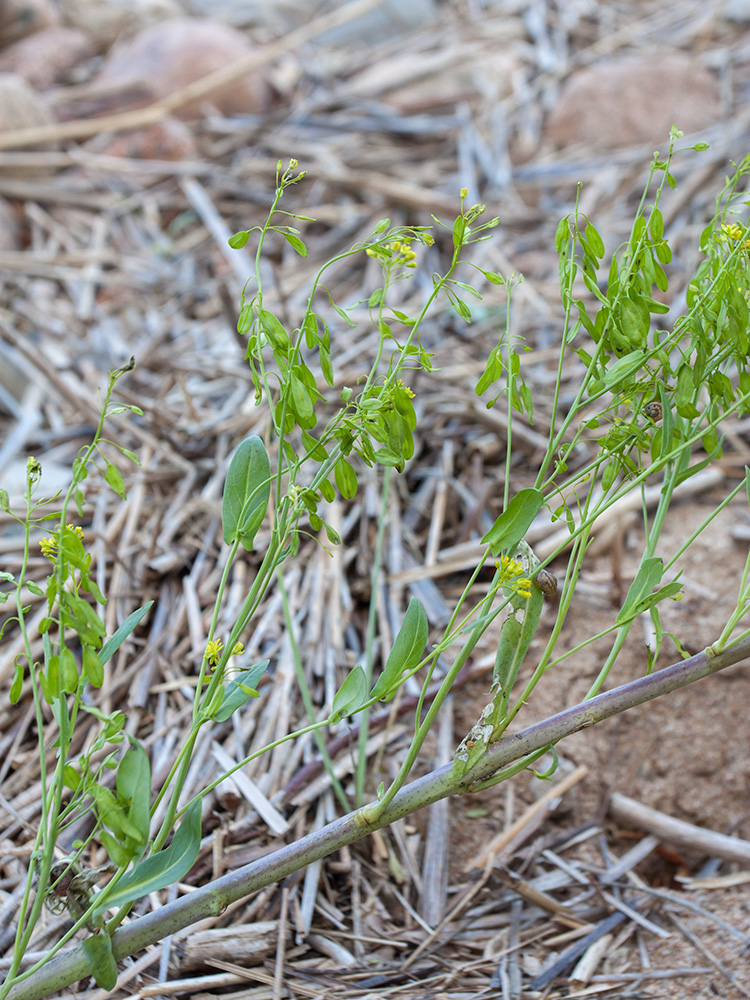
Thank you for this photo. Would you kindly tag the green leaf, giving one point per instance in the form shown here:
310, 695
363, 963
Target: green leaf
350, 696
238, 241
273, 329
68, 670
296, 243
17, 685
163, 868
333, 536
246, 493
301, 402
620, 370
113, 477
326, 367
119, 855
656, 225
514, 522
460, 307
407, 651
92, 666
245, 320
101, 960
111, 646
134, 788
239, 690
346, 479
594, 240
648, 576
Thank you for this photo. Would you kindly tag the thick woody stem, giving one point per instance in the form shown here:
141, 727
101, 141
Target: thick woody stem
210, 900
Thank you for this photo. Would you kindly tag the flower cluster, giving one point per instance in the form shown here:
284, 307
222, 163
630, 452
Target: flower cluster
399, 252
214, 648
512, 576
403, 386
733, 233
49, 545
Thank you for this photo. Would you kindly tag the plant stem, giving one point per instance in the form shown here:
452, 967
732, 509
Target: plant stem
212, 899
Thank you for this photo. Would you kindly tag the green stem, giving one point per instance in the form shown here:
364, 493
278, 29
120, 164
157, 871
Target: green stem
304, 690
361, 770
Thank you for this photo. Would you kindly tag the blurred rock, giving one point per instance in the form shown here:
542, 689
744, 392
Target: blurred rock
168, 139
20, 105
106, 20
19, 18
612, 105
45, 57
10, 231
172, 54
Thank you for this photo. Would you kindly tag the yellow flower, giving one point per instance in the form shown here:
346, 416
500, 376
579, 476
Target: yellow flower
238, 649
732, 232
49, 547
213, 651
523, 588
402, 385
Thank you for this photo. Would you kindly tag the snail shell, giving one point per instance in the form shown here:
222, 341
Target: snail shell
546, 582
653, 410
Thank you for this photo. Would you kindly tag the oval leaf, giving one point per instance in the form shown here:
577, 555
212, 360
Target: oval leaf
407, 650
350, 696
514, 522
100, 960
134, 788
246, 493
163, 868
239, 690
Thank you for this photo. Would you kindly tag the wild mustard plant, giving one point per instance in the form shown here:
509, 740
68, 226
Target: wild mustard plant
647, 399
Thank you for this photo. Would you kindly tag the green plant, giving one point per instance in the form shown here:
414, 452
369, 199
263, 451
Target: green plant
649, 397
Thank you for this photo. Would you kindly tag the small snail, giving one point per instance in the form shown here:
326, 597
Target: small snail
653, 410
546, 582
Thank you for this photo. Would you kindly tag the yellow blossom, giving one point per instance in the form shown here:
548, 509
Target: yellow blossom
402, 385
238, 649
48, 547
732, 232
213, 651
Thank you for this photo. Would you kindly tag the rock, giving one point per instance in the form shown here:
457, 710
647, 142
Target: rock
106, 20
44, 58
19, 18
20, 105
612, 105
172, 54
168, 139
10, 231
